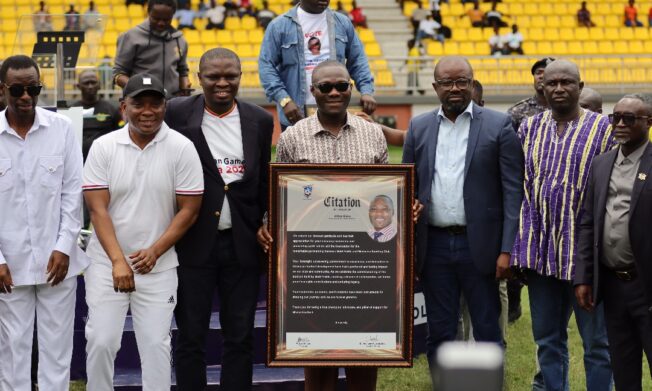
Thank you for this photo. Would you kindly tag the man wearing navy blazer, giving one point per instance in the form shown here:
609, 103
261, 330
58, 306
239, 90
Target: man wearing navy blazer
614, 248
233, 139
469, 167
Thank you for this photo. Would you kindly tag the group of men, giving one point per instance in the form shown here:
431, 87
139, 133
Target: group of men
549, 196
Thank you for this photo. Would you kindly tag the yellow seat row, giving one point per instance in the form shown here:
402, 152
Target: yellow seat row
546, 48
558, 34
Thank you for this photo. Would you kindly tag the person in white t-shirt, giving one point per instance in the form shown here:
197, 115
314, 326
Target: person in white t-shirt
143, 186
513, 41
496, 43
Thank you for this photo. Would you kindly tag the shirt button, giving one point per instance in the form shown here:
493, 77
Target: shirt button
2, 173
226, 187
51, 169
217, 213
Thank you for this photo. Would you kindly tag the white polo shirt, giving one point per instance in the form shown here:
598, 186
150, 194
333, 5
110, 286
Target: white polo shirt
143, 185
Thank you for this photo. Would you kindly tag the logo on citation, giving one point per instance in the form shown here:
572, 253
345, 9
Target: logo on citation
307, 191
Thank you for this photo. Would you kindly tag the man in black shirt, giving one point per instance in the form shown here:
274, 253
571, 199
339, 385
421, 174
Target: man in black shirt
100, 116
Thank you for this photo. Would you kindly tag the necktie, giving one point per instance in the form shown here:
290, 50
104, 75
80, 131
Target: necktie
377, 235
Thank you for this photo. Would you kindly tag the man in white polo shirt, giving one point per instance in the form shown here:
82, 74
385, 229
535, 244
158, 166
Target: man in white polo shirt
143, 186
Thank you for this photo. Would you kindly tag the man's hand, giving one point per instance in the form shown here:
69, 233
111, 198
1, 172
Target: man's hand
144, 260
503, 271
264, 238
364, 116
57, 267
123, 277
292, 112
5, 279
584, 296
368, 104
417, 207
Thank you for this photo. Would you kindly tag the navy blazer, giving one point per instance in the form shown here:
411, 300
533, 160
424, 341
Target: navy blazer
493, 182
247, 197
589, 251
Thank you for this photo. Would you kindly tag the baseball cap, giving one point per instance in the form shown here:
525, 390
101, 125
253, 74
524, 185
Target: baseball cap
142, 82
542, 63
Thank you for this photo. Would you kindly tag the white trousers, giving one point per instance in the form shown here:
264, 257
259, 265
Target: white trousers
152, 306
55, 314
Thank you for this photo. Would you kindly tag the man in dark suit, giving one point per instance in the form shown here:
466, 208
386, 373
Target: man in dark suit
615, 249
469, 167
233, 139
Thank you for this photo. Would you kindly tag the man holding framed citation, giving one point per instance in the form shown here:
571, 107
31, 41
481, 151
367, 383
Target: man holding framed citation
331, 137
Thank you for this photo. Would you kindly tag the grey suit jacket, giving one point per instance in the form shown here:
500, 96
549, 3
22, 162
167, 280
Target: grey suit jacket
589, 251
493, 182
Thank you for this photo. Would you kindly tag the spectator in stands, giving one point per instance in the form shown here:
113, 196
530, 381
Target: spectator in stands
591, 99
418, 14
584, 16
342, 10
631, 15
201, 9
413, 65
91, 17
186, 17
215, 16
429, 28
106, 73
513, 42
154, 46
494, 18
265, 15
73, 22
496, 43
649, 17
287, 80
42, 19
358, 17
231, 8
475, 15
546, 244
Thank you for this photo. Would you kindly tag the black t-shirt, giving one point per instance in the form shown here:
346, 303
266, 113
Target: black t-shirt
104, 119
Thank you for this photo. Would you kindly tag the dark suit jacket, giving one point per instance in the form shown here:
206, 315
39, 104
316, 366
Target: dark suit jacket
247, 197
589, 252
493, 182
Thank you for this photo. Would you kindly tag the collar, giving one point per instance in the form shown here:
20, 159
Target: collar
123, 136
39, 119
228, 112
318, 127
634, 157
469, 109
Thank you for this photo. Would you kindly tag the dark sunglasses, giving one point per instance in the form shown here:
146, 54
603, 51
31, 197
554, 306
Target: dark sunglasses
17, 90
340, 86
628, 119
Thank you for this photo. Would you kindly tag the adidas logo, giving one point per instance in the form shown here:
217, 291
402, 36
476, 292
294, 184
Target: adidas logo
171, 300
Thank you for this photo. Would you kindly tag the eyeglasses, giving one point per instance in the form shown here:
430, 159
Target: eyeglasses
462, 84
18, 90
628, 119
340, 86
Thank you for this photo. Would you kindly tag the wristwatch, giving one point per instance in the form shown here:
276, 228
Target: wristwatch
284, 102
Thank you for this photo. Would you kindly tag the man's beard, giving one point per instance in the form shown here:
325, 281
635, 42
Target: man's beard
455, 108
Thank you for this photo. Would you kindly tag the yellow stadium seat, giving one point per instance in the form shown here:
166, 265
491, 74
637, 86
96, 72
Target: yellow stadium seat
538, 21
8, 25
136, 11
380, 64
590, 47
613, 21
596, 34
474, 34
208, 37
367, 35
385, 79
641, 33
614, 33
547, 9
224, 37
408, 8
245, 51
559, 48
192, 36
119, 11
110, 38
575, 47
567, 21
240, 37
545, 48
530, 8
582, 34
196, 50
249, 23
232, 23
373, 50
523, 21
636, 47
515, 9
256, 36
467, 49
451, 48
603, 8
535, 34
552, 35
530, 47
122, 24
249, 66
648, 47
567, 33
461, 35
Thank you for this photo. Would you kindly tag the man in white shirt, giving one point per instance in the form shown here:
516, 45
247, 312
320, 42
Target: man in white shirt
513, 41
496, 43
40, 193
143, 185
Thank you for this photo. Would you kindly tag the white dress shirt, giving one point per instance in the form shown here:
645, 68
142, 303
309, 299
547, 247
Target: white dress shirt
40, 194
447, 190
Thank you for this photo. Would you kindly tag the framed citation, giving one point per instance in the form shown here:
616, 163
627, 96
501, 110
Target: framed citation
340, 289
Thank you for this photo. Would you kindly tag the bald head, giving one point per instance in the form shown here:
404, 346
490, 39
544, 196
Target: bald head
591, 99
456, 63
563, 66
329, 64
86, 74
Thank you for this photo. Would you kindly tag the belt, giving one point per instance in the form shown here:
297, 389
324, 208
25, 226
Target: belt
452, 229
625, 275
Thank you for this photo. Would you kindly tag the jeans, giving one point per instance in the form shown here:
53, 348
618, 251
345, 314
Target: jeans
552, 302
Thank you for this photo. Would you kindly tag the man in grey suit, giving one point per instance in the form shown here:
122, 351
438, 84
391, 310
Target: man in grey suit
469, 166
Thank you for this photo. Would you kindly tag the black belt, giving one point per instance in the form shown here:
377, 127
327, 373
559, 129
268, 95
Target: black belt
625, 275
452, 229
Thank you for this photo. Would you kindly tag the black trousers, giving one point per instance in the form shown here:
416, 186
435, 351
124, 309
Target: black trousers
238, 292
629, 329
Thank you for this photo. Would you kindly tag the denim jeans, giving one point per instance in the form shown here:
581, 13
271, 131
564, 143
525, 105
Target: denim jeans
552, 302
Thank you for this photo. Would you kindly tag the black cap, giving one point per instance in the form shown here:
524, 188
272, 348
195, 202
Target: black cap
542, 63
143, 82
